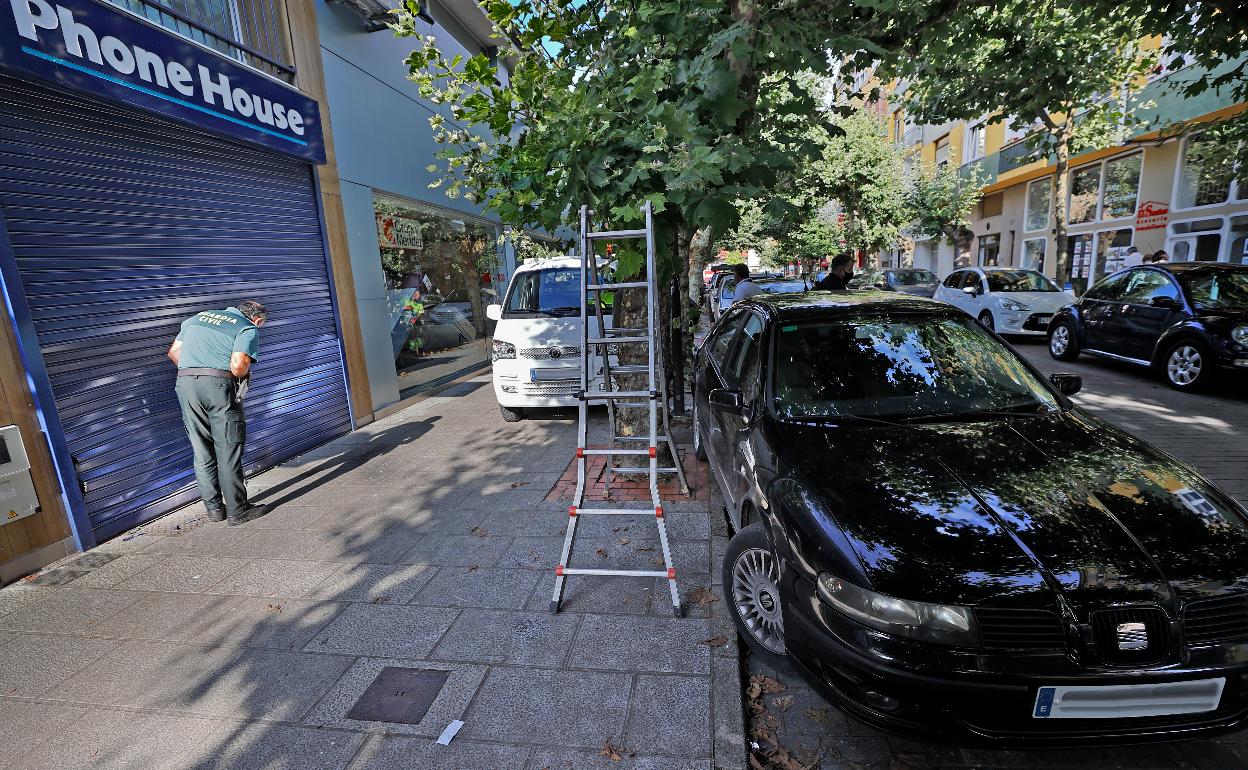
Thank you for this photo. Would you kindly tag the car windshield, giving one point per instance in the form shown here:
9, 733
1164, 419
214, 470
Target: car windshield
1019, 280
551, 292
903, 368
1217, 289
910, 277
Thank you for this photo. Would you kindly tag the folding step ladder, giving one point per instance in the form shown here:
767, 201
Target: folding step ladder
653, 399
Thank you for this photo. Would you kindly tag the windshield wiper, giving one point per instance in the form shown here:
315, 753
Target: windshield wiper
844, 419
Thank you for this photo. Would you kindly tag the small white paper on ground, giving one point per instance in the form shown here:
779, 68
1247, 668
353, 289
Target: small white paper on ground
450, 731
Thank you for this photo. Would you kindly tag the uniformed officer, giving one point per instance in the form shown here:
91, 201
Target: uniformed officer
214, 352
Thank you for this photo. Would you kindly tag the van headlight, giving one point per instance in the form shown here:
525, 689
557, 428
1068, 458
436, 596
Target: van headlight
941, 623
1240, 335
502, 350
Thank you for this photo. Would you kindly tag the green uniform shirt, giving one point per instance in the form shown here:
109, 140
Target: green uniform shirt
208, 339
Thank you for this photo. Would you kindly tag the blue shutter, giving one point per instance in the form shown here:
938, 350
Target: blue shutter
123, 225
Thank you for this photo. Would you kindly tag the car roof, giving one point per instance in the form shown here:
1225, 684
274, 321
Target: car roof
548, 263
837, 303
777, 279
1197, 267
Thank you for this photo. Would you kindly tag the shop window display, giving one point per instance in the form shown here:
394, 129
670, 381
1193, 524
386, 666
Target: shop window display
441, 272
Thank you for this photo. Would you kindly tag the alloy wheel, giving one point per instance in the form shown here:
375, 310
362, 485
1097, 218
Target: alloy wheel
1184, 365
1059, 341
756, 596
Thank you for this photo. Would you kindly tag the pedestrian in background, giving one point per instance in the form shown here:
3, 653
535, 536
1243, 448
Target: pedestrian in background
1159, 256
745, 287
214, 352
839, 274
1133, 257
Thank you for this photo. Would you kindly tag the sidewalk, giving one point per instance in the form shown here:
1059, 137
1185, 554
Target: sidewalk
423, 541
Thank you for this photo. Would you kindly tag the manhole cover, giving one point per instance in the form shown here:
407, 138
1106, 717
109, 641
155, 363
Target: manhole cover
399, 695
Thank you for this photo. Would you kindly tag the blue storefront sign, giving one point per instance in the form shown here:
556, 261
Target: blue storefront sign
86, 46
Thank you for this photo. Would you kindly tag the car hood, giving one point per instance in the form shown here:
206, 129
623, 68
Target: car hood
1021, 512
1044, 301
1229, 315
542, 331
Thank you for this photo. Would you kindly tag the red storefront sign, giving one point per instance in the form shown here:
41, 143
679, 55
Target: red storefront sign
1151, 216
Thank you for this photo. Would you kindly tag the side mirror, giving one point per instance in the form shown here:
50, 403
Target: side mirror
1067, 384
727, 400
1170, 303
494, 312
971, 290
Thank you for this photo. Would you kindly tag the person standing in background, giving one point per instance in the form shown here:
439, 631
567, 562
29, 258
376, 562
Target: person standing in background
214, 352
839, 274
745, 287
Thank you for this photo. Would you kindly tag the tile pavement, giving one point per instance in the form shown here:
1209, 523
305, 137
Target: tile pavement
423, 540
1205, 429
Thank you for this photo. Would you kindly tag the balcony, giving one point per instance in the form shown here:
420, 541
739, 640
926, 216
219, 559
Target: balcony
252, 32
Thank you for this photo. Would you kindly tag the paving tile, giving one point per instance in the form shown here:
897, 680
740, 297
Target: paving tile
272, 623
259, 746
28, 725
20, 595
68, 611
384, 630
185, 574
211, 540
508, 636
119, 739
309, 518
457, 550
484, 588
118, 570
135, 674
162, 616
276, 685
565, 709
450, 703
671, 713
32, 665
562, 759
379, 583
277, 544
539, 553
525, 521
643, 644
370, 546
275, 578
391, 753
605, 595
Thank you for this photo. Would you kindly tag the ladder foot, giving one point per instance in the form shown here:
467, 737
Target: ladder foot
554, 606
678, 611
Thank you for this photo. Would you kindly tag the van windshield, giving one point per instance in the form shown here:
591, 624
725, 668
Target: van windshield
551, 292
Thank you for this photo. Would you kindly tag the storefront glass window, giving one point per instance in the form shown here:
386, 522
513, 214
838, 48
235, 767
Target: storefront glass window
989, 250
1122, 183
1039, 196
1111, 251
1239, 240
1080, 249
1207, 171
1033, 254
441, 271
1085, 188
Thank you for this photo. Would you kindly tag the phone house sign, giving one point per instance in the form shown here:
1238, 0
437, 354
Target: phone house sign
105, 51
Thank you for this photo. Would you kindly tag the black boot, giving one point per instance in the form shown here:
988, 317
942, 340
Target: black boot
250, 514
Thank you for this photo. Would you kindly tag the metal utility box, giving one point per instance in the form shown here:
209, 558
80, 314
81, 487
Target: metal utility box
17, 491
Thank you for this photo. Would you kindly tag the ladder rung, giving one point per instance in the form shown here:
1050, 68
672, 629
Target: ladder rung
612, 286
630, 369
658, 439
588, 452
625, 330
605, 234
614, 511
626, 572
591, 395
613, 340
632, 404
620, 471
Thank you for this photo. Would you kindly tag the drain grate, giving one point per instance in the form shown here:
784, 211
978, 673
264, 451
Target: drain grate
399, 695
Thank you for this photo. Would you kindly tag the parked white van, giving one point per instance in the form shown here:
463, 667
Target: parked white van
537, 343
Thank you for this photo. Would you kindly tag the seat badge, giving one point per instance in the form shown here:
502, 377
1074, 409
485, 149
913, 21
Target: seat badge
1132, 636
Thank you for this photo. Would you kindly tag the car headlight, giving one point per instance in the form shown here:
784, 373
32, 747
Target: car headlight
502, 350
941, 623
1240, 334
1014, 305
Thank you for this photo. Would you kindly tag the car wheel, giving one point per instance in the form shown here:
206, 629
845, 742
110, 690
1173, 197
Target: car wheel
510, 415
1062, 342
752, 586
985, 318
1187, 365
699, 449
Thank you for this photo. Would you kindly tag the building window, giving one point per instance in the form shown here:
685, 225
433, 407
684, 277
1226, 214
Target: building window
1093, 256
1239, 240
1197, 240
989, 250
942, 151
1039, 201
1122, 185
899, 127
1033, 254
1015, 130
975, 142
1208, 174
1085, 188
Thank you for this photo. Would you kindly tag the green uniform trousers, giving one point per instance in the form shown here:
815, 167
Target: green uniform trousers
217, 429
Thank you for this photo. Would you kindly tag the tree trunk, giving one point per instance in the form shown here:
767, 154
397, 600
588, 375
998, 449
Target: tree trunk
1062, 190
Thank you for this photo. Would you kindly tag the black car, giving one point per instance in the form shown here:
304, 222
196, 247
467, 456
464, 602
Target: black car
937, 538
1186, 320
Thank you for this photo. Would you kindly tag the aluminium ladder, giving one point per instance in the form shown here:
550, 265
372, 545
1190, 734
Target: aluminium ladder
653, 398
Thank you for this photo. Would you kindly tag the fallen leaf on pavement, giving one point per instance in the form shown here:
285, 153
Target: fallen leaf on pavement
612, 753
273, 608
474, 567
644, 548
714, 641
479, 532
381, 600
783, 703
908, 761
602, 552
817, 715
703, 596
624, 541
518, 484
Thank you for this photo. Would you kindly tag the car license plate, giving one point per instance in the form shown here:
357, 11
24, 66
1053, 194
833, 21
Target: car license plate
1128, 700
1043, 318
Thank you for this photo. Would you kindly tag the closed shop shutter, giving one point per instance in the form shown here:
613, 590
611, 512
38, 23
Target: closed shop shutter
123, 225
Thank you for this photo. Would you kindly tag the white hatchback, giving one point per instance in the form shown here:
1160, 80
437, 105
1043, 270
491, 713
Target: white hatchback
1005, 299
536, 351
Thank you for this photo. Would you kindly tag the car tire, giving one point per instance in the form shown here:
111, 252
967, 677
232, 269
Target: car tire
1063, 344
985, 318
699, 449
510, 415
751, 587
1187, 365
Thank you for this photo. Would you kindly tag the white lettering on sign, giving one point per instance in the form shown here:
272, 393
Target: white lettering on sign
215, 89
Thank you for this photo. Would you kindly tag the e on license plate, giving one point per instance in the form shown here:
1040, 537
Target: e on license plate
1128, 700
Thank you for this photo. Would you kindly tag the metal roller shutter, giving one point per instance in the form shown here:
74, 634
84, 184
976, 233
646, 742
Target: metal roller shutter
122, 226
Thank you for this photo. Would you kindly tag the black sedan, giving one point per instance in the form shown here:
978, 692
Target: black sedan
936, 537
1186, 320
